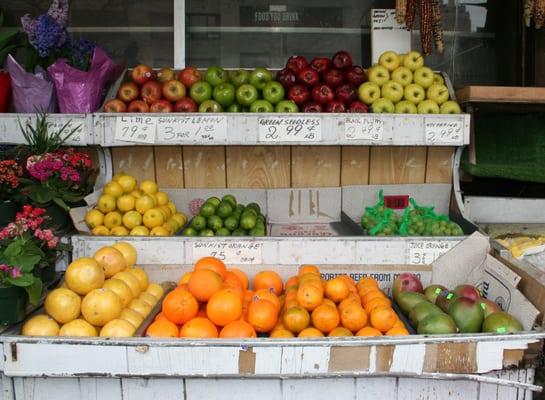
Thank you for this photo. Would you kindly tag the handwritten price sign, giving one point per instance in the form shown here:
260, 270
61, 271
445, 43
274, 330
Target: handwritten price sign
290, 129
444, 131
230, 252
78, 137
139, 129
364, 128
422, 252
193, 129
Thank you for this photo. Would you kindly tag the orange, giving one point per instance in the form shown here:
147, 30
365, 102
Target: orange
397, 332
117, 328
310, 332
262, 315
161, 317
268, 280
376, 303
224, 306
281, 334
199, 328
310, 296
185, 278
202, 312
368, 331
352, 298
292, 281
179, 306
162, 328
121, 289
383, 318
372, 295
63, 305
235, 287
325, 318
84, 275
204, 283
309, 269
212, 264
366, 289
241, 275
248, 296
296, 319
40, 325
237, 330
367, 281
100, 306
309, 278
131, 281
337, 289
399, 324
265, 294
233, 280
341, 332
78, 327
132, 316
328, 302
142, 277
350, 282
353, 317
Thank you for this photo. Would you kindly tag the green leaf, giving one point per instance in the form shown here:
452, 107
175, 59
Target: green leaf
60, 202
14, 249
26, 262
22, 281
44, 195
34, 291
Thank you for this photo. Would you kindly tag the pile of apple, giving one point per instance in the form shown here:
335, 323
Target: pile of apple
401, 83
324, 85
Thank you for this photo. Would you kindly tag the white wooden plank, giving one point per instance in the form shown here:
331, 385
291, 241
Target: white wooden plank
430, 389
530, 374
489, 391
490, 354
506, 392
317, 252
318, 389
152, 388
409, 358
67, 388
267, 360
305, 360
6, 388
228, 389
376, 388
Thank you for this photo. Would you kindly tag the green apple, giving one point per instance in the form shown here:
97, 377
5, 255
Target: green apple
224, 94
405, 107
259, 77
368, 92
240, 77
428, 107
450, 107
246, 94
286, 106
379, 75
389, 60
382, 105
424, 77
413, 60
414, 93
200, 91
216, 76
393, 91
438, 93
273, 92
234, 108
437, 78
261, 106
403, 76
210, 106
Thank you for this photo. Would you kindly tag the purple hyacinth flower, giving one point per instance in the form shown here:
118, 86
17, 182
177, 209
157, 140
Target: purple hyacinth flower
58, 10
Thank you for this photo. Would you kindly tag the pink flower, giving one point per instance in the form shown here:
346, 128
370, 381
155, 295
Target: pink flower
16, 272
52, 243
4, 268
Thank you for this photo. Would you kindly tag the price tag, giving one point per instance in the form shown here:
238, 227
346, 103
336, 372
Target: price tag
364, 128
290, 129
444, 131
421, 252
78, 138
139, 129
230, 252
194, 129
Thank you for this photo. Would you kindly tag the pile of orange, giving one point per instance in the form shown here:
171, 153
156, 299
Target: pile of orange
213, 301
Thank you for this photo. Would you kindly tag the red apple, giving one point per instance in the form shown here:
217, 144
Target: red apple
334, 77
335, 106
165, 75
321, 65
346, 93
406, 282
189, 75
286, 77
141, 74
355, 75
173, 90
308, 76
358, 107
128, 92
151, 91
312, 107
342, 60
161, 106
186, 104
138, 106
296, 63
467, 291
115, 105
322, 94
299, 94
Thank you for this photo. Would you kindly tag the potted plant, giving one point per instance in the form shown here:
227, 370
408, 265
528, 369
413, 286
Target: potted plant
10, 175
28, 253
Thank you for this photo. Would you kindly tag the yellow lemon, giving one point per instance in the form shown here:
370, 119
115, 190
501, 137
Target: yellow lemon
113, 219
128, 251
117, 176
172, 207
159, 231
144, 204
180, 218
136, 193
148, 186
94, 218
171, 225
166, 209
119, 231
106, 203
139, 231
113, 188
100, 230
125, 203
127, 182
132, 219
153, 218
162, 198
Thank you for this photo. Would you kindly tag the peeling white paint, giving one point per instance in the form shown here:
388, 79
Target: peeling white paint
409, 358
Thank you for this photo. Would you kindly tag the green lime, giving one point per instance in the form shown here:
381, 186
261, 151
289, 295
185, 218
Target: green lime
223, 232
260, 224
199, 222
257, 232
239, 208
214, 222
231, 223
190, 231
207, 232
249, 210
254, 206
238, 232
261, 218
208, 209
213, 200
224, 210
247, 221
231, 199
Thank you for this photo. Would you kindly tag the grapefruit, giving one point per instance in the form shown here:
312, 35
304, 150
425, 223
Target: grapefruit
128, 251
78, 327
117, 328
132, 282
132, 316
63, 305
111, 260
84, 275
100, 306
120, 288
40, 325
